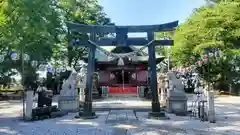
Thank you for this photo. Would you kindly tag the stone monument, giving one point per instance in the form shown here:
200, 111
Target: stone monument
68, 100
210, 104
176, 99
29, 104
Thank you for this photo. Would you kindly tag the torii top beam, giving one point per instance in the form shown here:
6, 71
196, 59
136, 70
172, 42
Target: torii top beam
121, 34
113, 29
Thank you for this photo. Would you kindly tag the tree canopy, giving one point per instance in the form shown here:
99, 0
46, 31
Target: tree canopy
38, 27
216, 27
211, 26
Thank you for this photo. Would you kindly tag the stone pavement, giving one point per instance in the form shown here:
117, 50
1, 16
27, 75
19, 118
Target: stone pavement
123, 122
108, 123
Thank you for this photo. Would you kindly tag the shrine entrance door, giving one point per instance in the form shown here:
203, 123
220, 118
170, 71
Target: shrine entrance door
123, 83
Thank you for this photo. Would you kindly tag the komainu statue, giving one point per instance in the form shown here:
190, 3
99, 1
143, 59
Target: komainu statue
68, 99
69, 85
175, 82
177, 99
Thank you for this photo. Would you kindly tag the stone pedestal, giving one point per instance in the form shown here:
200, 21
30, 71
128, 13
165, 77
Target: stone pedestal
177, 103
140, 90
29, 105
95, 94
211, 107
104, 91
68, 103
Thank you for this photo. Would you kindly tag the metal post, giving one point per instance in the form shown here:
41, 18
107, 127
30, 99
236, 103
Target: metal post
123, 79
168, 59
208, 62
23, 79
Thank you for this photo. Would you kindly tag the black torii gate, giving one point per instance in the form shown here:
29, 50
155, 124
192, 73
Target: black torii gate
121, 40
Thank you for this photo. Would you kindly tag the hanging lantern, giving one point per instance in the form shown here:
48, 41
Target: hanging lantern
26, 57
112, 76
42, 67
1, 58
211, 54
205, 57
183, 70
49, 68
14, 56
134, 76
53, 70
237, 68
58, 70
200, 63
34, 63
120, 62
63, 69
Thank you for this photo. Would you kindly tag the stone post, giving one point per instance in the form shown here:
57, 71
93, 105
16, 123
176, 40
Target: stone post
211, 108
29, 105
163, 96
81, 95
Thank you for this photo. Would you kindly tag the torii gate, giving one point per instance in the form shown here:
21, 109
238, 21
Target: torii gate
121, 40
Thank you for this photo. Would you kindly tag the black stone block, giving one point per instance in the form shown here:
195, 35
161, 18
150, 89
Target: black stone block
86, 115
58, 114
157, 115
53, 108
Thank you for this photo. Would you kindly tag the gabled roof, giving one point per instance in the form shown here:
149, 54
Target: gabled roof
134, 48
103, 57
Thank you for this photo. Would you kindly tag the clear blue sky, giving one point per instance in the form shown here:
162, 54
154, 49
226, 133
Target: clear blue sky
145, 12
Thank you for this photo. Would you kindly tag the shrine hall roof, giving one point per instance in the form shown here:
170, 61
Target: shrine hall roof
134, 48
142, 56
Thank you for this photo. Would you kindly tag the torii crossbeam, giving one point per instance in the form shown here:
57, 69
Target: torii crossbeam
121, 39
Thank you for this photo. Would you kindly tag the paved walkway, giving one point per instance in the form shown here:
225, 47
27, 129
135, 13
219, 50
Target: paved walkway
123, 122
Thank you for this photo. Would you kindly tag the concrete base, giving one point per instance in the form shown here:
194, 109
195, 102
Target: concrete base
156, 107
86, 115
25, 118
29, 105
68, 104
177, 103
157, 115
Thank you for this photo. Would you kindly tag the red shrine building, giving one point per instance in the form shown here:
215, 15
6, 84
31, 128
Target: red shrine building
123, 78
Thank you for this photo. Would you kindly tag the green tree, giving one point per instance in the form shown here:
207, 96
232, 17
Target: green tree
215, 26
32, 26
163, 50
84, 12
217, 1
